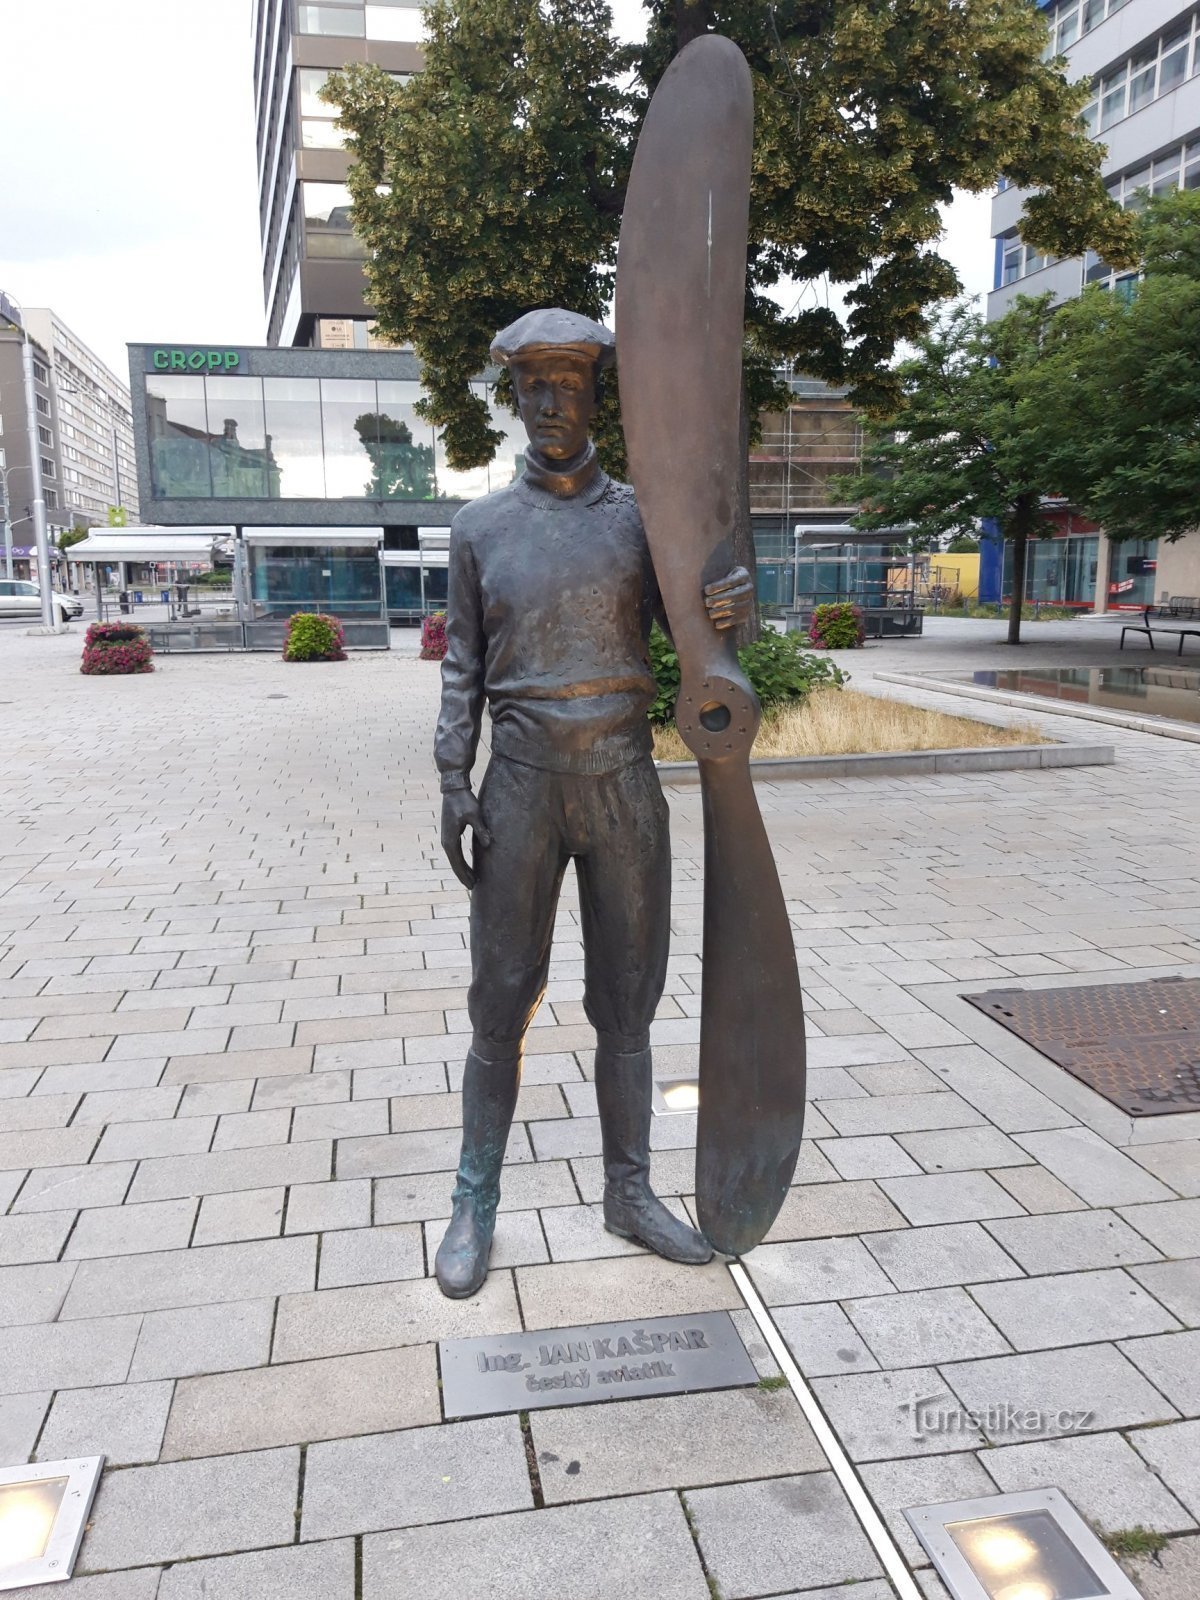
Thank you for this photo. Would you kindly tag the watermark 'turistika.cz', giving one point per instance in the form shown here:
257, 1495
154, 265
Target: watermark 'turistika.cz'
938, 1413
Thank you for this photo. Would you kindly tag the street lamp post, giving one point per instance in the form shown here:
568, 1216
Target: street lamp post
51, 619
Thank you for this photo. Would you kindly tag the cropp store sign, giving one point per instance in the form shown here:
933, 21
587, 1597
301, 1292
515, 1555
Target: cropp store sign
192, 358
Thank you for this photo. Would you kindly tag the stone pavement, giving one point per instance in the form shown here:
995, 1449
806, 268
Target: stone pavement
232, 989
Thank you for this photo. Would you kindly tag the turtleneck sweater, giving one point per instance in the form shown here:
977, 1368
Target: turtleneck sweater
551, 597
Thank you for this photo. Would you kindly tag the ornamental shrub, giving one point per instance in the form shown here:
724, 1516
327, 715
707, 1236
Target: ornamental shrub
433, 637
781, 671
313, 636
116, 647
837, 627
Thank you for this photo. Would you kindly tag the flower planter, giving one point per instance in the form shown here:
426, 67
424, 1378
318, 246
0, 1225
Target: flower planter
313, 636
116, 647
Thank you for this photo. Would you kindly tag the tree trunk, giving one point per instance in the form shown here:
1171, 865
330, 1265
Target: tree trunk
692, 18
743, 533
1020, 539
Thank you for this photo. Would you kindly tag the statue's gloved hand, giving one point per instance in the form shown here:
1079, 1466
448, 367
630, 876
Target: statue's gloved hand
460, 811
730, 602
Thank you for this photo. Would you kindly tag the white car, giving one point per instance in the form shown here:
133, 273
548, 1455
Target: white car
19, 598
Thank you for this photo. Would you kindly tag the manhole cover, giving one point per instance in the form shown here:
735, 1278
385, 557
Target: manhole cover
1137, 1044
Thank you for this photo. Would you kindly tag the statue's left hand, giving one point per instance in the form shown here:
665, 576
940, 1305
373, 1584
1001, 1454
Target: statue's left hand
730, 602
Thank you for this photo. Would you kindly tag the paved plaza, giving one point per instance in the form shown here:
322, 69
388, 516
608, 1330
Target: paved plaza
233, 974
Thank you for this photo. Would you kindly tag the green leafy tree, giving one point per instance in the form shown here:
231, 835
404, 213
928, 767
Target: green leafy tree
494, 180
1118, 395
965, 443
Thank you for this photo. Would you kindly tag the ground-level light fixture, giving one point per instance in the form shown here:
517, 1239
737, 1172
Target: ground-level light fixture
673, 1095
1028, 1546
43, 1512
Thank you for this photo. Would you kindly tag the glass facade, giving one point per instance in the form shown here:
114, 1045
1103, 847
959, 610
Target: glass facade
344, 580
306, 438
1059, 572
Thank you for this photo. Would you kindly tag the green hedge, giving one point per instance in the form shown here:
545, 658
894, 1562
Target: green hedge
778, 666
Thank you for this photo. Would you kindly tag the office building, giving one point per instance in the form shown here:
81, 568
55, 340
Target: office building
314, 288
1143, 60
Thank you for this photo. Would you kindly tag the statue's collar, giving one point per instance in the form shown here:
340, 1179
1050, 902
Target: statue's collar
565, 485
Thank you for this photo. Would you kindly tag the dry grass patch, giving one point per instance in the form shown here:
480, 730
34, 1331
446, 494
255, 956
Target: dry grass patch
840, 722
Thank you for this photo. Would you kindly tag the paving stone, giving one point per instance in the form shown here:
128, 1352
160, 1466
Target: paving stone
296, 1403
371, 1255
55, 1188
192, 1508
814, 1270
10, 1184
936, 1257
587, 1452
901, 1113
1072, 1308
823, 1340
1037, 1190
313, 1207
131, 1230
672, 1172
1002, 1095
1171, 1574
398, 1154
930, 1325
517, 1242
950, 1197
199, 1339
1106, 1481
227, 1170
386, 1315
427, 1077
132, 1141
1172, 1363
139, 1585
963, 1149
81, 1077
1089, 1165
67, 1355
1174, 1453
127, 1105
241, 1214
896, 1486
577, 1233
21, 1418
1070, 1392
828, 1209
340, 1119
217, 1099
37, 1236
641, 1545
247, 1130
568, 1294
36, 1111
125, 1420
302, 1089
875, 1155
405, 1479
423, 1196
172, 1278
1174, 1226
756, 1537
322, 1571
33, 1294
879, 1415
1072, 1242
1175, 1163
1177, 1285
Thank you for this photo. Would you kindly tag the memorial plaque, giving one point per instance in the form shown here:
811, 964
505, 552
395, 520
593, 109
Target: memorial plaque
603, 1361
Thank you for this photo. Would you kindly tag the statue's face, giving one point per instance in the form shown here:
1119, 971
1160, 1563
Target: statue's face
556, 396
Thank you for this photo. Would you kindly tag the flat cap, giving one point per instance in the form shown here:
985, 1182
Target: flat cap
555, 331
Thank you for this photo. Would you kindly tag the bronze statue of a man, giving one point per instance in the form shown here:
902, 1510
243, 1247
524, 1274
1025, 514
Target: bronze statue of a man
551, 598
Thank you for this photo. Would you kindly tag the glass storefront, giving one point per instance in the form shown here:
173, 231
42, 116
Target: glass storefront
248, 438
1132, 572
1059, 572
343, 580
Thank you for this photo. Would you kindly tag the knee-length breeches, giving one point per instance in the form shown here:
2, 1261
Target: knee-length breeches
615, 827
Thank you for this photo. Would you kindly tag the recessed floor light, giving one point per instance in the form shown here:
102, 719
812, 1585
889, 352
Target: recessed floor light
673, 1095
43, 1512
1028, 1546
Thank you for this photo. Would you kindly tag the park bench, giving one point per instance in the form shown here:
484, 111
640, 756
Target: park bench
1180, 616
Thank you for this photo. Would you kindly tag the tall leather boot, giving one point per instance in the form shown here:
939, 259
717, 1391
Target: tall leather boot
631, 1209
489, 1097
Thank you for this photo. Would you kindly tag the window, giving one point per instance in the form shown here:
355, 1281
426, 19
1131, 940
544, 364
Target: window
239, 458
1073, 18
327, 227
51, 500
45, 435
1156, 69
293, 421
178, 436
343, 21
48, 468
402, 454
39, 371
1019, 260
403, 22
42, 404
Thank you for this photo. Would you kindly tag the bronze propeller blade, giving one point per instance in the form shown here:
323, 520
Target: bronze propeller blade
681, 276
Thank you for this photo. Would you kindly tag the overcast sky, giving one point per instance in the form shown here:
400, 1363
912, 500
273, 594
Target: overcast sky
128, 197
